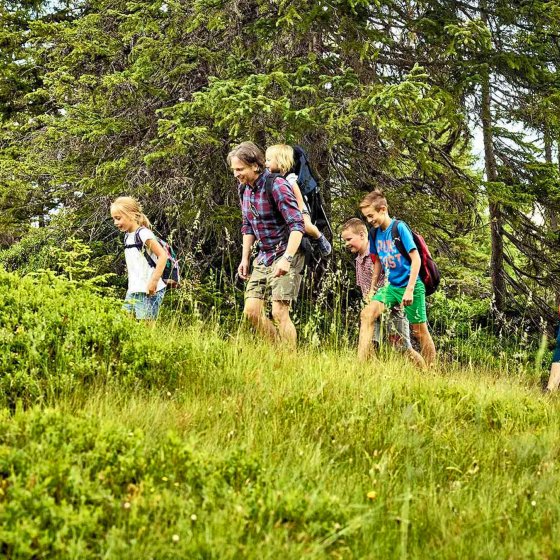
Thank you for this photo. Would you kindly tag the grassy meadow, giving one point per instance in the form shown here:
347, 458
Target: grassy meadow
122, 441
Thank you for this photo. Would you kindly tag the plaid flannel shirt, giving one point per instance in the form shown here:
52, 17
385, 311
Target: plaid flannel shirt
260, 219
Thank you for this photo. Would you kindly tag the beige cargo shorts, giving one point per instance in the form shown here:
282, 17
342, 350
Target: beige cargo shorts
282, 288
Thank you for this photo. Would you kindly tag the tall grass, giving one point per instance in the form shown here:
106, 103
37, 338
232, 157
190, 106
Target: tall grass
193, 444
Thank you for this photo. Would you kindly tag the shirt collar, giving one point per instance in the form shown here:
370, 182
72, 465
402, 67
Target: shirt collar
362, 258
259, 183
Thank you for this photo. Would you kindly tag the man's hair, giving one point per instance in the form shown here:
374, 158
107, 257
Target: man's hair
355, 225
375, 198
284, 156
248, 153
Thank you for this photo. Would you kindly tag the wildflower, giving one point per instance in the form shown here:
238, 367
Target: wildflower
533, 503
372, 494
175, 538
126, 505
194, 517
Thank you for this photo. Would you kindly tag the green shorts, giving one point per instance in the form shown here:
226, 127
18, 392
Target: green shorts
391, 296
281, 288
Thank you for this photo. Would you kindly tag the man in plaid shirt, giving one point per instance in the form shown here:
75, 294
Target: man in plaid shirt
277, 225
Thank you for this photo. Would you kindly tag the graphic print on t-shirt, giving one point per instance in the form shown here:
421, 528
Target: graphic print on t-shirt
395, 265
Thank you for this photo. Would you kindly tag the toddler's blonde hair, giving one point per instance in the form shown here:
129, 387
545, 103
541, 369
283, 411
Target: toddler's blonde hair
284, 156
132, 209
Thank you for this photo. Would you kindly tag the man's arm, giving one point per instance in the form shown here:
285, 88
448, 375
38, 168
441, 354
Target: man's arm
288, 206
243, 268
283, 266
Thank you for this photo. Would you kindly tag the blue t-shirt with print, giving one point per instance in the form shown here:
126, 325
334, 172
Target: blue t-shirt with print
395, 265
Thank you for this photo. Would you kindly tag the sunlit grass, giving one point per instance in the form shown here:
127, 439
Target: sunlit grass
214, 445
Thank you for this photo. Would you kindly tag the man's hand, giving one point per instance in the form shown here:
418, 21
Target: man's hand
408, 297
243, 269
282, 267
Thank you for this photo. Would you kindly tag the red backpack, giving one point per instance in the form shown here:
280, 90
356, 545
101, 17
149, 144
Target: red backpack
429, 272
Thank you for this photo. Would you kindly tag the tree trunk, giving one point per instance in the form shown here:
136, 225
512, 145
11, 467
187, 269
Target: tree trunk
552, 215
496, 220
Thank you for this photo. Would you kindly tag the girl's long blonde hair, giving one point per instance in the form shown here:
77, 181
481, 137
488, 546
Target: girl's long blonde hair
284, 156
132, 209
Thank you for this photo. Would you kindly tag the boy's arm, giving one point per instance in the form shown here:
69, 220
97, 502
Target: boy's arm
374, 279
408, 296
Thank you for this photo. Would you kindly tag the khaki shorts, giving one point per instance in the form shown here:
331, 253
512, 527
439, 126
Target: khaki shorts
283, 288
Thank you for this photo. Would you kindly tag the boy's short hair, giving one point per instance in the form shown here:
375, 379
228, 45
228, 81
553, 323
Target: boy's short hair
355, 225
375, 198
284, 156
249, 154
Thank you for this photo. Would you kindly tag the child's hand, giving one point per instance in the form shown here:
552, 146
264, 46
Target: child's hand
152, 286
408, 297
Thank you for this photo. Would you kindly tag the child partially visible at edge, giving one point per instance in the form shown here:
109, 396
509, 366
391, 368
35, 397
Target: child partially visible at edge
145, 286
554, 378
404, 284
355, 236
280, 159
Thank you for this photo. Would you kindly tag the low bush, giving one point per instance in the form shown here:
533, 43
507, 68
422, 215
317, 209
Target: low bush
75, 487
56, 338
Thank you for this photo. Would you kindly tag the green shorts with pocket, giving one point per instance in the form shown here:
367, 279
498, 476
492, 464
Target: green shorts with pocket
282, 288
390, 296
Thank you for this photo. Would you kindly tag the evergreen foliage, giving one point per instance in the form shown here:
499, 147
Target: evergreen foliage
103, 98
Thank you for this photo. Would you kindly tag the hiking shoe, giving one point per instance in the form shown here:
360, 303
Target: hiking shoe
325, 247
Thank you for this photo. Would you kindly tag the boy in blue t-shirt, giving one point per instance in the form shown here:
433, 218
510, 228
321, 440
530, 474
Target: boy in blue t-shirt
404, 288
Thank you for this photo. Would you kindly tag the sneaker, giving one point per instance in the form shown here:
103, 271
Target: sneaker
324, 246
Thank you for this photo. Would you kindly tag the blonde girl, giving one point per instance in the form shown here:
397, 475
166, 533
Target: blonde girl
145, 286
280, 159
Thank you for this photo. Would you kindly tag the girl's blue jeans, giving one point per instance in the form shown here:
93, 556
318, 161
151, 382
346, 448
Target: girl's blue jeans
142, 305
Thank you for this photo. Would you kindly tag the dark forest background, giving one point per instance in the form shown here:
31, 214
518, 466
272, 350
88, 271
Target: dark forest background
109, 97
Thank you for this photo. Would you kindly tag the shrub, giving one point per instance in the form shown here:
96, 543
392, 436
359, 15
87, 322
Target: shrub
57, 337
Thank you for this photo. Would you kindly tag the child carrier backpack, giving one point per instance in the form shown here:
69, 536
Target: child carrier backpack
312, 197
170, 276
309, 187
429, 272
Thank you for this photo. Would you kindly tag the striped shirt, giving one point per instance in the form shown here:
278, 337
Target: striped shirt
364, 273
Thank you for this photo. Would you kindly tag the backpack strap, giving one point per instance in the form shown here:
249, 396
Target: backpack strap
137, 241
139, 244
398, 241
241, 192
268, 184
